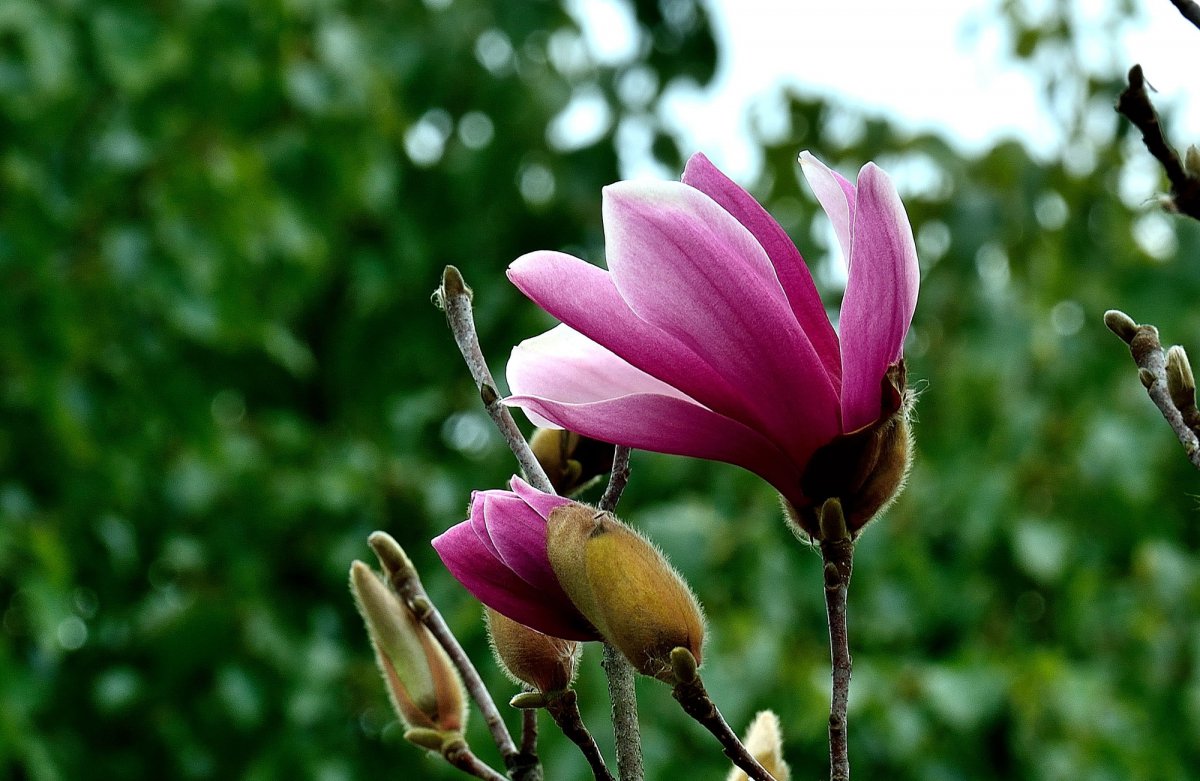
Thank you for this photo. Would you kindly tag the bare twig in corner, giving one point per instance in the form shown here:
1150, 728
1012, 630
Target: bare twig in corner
454, 297
1190, 11
1134, 103
1152, 365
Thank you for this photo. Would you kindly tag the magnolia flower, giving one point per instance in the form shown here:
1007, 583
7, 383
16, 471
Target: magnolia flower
572, 572
707, 338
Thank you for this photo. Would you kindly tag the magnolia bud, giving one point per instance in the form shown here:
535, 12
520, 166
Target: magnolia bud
622, 584
765, 744
572, 462
540, 661
865, 470
1181, 385
423, 685
1191, 161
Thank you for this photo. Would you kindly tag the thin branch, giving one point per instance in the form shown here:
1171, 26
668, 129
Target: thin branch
527, 766
838, 556
462, 758
565, 712
1134, 103
617, 479
690, 693
455, 298
1148, 354
1190, 11
405, 581
626, 732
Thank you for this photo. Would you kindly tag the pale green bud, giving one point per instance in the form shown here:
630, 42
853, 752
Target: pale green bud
422, 683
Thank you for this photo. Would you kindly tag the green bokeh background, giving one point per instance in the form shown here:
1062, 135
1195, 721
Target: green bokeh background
220, 224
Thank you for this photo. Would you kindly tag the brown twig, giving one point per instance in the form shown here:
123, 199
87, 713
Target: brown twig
1134, 103
461, 757
617, 480
403, 578
838, 556
690, 693
1148, 354
454, 297
527, 766
565, 712
627, 733
1190, 11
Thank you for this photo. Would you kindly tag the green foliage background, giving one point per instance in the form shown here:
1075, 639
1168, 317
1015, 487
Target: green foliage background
220, 223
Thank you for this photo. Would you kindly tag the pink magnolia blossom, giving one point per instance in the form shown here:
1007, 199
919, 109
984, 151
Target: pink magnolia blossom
706, 337
499, 555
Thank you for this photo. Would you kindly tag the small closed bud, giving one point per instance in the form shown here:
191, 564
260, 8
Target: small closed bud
423, 685
624, 586
765, 743
545, 663
572, 462
1181, 384
1180, 380
1191, 161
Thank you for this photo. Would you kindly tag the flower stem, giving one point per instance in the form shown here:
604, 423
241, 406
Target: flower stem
454, 297
565, 712
838, 556
626, 732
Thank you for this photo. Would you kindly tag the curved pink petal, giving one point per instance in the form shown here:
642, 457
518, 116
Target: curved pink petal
790, 268
836, 196
498, 587
669, 425
478, 524
542, 503
519, 535
711, 286
584, 298
564, 364
881, 295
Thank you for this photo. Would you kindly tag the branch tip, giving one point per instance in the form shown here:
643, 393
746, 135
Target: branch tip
1121, 324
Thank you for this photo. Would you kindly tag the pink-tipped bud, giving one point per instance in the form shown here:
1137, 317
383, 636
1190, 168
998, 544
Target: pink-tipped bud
624, 586
423, 685
542, 662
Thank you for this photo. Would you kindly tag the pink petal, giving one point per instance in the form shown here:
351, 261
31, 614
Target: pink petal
686, 265
881, 295
836, 196
498, 587
584, 297
542, 503
668, 425
519, 535
790, 268
564, 364
478, 499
